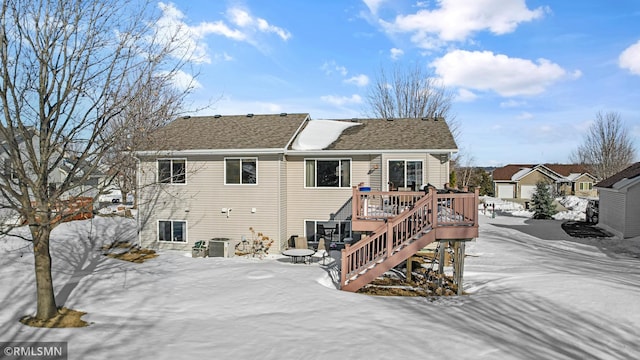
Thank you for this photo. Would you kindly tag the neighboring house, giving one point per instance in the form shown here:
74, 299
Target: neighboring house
619, 210
519, 181
283, 175
58, 174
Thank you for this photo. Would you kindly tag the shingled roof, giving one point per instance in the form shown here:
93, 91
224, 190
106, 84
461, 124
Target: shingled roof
246, 132
506, 172
238, 132
628, 173
396, 134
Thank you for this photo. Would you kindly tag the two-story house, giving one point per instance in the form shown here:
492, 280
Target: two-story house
283, 174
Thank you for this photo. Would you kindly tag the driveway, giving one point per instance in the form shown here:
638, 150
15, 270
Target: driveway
552, 230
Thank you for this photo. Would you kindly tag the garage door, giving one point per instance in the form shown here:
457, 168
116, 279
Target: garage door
505, 191
527, 191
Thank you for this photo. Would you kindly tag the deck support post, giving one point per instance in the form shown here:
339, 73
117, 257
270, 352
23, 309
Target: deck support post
442, 247
458, 263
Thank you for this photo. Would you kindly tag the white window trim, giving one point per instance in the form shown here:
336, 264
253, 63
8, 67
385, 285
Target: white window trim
304, 171
186, 226
405, 170
171, 183
316, 221
239, 158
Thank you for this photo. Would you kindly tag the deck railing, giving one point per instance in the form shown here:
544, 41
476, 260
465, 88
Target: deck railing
454, 208
396, 219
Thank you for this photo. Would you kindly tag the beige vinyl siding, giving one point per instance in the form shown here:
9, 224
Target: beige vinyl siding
437, 170
202, 199
318, 203
531, 179
375, 175
584, 193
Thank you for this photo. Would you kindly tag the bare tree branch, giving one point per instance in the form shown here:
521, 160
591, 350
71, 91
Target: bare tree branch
66, 74
607, 147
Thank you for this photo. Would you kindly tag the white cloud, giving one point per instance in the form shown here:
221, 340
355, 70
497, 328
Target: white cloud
373, 5
191, 45
465, 95
484, 70
342, 100
630, 58
243, 19
358, 80
396, 53
223, 57
243, 27
458, 20
524, 116
512, 103
182, 80
329, 67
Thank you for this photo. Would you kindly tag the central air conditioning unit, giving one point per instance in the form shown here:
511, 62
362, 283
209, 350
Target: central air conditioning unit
220, 247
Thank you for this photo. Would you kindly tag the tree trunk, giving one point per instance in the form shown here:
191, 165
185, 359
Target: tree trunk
46, 300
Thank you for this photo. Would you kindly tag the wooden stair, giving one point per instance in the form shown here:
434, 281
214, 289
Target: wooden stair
390, 244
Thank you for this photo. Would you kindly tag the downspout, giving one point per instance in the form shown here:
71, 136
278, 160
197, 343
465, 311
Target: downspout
136, 200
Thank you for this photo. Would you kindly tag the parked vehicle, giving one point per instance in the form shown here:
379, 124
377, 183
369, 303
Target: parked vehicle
592, 211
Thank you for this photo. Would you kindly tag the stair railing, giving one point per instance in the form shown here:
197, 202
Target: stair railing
389, 237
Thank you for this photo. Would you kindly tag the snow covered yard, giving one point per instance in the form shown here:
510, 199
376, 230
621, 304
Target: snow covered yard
530, 298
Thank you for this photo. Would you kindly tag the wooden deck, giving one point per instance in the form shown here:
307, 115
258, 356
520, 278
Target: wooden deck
400, 224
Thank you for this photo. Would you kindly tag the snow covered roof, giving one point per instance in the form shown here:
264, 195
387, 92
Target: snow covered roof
521, 173
319, 134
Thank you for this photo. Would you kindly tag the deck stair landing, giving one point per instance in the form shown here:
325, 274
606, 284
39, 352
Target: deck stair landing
401, 235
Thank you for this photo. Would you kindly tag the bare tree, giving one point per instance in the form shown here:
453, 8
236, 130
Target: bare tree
607, 147
161, 102
410, 92
65, 72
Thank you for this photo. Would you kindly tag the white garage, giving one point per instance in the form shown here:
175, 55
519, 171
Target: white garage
527, 191
505, 191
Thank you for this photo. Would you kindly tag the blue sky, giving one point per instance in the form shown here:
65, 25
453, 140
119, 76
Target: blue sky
529, 76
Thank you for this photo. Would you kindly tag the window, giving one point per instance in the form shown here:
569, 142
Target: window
172, 171
586, 186
334, 230
241, 171
327, 173
405, 173
172, 231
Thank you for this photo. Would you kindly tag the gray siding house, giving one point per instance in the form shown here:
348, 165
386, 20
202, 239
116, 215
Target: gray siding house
283, 175
619, 210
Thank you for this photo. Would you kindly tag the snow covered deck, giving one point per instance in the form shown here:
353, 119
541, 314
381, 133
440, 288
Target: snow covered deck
457, 213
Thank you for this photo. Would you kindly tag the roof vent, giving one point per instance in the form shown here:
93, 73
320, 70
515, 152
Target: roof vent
249, 115
186, 117
283, 114
389, 119
439, 118
425, 118
217, 116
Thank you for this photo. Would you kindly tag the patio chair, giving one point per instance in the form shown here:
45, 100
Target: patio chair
301, 243
324, 247
341, 231
324, 232
199, 249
